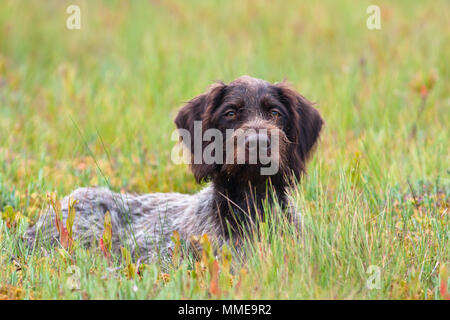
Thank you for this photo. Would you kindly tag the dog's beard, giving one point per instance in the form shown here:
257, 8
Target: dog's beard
256, 167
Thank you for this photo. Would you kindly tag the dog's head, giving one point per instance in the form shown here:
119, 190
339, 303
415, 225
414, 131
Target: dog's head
236, 124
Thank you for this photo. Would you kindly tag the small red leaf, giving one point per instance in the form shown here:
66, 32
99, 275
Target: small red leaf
102, 247
66, 240
214, 284
423, 91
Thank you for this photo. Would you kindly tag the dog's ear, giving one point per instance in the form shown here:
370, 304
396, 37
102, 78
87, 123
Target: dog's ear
305, 126
196, 110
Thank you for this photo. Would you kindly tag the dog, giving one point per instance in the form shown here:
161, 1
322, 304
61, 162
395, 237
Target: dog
237, 192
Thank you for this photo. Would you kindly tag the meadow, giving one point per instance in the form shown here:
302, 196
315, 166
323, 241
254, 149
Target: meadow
95, 106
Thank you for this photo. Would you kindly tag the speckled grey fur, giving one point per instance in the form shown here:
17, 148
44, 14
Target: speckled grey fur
142, 223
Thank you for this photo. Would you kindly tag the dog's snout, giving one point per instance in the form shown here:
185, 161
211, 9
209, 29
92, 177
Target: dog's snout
255, 140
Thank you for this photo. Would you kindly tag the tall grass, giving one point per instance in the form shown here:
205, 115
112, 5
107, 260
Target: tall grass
95, 107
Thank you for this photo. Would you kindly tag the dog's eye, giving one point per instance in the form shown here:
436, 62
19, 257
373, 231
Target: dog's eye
230, 114
275, 113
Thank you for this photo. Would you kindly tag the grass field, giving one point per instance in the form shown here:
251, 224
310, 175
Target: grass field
95, 106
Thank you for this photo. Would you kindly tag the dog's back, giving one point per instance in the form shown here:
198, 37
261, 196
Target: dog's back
143, 223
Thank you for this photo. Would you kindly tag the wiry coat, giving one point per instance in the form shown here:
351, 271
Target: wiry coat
142, 223
238, 193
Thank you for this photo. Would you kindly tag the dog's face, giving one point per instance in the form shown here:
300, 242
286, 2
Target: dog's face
254, 117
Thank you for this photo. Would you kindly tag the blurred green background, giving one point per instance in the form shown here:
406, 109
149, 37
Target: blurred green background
123, 75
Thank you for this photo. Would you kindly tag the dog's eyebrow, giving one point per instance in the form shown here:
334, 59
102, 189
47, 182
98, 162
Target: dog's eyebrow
237, 101
269, 99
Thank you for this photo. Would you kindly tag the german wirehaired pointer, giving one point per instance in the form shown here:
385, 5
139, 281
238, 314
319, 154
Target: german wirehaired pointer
238, 191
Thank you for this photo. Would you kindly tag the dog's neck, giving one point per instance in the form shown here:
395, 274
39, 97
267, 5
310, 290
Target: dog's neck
240, 204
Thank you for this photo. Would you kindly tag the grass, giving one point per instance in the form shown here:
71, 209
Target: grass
95, 106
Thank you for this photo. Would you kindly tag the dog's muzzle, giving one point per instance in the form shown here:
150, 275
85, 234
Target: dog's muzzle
257, 141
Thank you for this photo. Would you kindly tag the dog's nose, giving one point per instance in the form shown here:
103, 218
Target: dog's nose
255, 140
